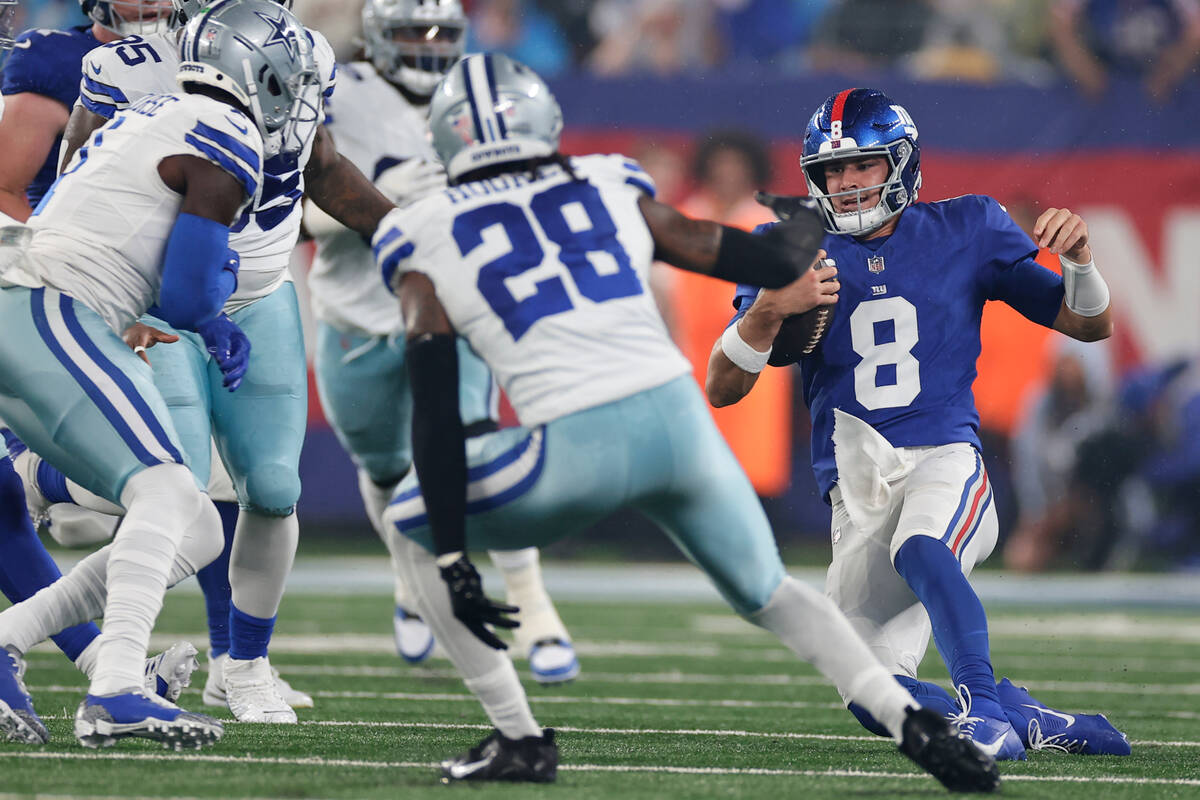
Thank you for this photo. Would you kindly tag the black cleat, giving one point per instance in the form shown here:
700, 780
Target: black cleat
935, 746
498, 758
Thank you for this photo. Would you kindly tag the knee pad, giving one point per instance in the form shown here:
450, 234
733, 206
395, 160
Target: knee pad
272, 489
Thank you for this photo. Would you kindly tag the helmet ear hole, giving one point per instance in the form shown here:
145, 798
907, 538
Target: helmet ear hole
273, 86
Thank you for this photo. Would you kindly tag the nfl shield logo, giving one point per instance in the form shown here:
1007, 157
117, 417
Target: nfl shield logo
875, 263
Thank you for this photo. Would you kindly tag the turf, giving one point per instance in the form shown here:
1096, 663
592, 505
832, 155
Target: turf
675, 701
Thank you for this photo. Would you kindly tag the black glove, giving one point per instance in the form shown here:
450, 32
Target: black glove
785, 206
472, 607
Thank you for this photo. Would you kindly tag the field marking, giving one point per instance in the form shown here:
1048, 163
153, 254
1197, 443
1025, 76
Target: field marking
716, 732
647, 768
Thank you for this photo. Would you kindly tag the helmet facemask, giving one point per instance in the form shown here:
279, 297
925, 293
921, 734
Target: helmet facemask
893, 197
8, 23
129, 17
287, 114
414, 46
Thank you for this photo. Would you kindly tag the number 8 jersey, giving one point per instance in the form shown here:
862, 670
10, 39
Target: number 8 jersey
900, 353
546, 279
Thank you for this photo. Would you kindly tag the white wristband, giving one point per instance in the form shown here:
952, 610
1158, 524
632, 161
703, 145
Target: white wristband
1085, 292
741, 354
446, 559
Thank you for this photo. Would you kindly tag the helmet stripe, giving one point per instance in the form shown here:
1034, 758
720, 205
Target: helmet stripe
466, 71
839, 105
491, 81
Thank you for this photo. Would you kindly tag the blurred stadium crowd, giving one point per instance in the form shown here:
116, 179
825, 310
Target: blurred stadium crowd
1095, 453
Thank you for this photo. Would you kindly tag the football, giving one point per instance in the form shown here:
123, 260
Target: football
800, 335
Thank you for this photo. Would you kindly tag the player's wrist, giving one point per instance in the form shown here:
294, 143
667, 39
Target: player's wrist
744, 355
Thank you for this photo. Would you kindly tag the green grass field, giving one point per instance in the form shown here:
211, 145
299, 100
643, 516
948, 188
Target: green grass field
676, 700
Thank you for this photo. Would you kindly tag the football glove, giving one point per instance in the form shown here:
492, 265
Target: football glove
786, 206
410, 180
228, 346
472, 607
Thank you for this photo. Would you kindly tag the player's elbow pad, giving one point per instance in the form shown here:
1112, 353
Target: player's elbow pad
1084, 290
196, 278
755, 260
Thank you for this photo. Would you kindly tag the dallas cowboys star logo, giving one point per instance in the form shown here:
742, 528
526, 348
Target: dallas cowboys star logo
281, 34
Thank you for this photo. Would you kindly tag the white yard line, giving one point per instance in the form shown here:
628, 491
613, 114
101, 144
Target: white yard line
627, 768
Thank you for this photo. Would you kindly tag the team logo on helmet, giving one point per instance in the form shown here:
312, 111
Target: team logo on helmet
281, 34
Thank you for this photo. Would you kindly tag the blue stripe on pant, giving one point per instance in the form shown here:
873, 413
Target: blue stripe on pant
73, 391
657, 451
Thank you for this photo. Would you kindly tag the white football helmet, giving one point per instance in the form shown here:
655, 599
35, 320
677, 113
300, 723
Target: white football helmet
414, 42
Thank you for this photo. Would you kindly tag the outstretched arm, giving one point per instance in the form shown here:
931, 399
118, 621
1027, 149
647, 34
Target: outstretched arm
30, 125
340, 190
440, 453
1085, 313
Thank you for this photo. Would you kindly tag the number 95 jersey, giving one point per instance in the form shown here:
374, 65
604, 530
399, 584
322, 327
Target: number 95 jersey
546, 279
900, 353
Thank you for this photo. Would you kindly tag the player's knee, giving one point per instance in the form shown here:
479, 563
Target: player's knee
386, 469
272, 489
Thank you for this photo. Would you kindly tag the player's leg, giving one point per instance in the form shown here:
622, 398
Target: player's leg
214, 581
259, 432
25, 566
947, 525
74, 392
363, 387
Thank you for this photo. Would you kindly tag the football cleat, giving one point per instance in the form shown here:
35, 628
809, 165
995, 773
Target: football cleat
214, 686
553, 661
102, 720
996, 737
252, 693
933, 744
18, 721
170, 672
1047, 729
414, 639
497, 758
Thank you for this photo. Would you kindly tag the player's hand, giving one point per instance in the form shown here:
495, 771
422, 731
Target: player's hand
472, 607
410, 180
785, 206
818, 286
141, 337
229, 347
1063, 233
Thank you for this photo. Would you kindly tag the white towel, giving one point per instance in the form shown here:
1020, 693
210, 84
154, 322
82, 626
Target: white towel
867, 465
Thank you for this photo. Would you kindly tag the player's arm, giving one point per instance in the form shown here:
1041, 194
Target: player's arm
28, 129
771, 260
340, 190
440, 454
740, 354
1085, 313
80, 126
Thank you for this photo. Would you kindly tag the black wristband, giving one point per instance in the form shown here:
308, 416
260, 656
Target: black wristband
439, 448
757, 260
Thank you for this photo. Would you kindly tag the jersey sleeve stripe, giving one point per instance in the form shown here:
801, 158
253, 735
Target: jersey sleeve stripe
238, 149
642, 184
389, 252
105, 89
222, 159
97, 106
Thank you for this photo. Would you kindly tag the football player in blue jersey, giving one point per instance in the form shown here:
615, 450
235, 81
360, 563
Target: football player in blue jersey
895, 442
41, 84
540, 262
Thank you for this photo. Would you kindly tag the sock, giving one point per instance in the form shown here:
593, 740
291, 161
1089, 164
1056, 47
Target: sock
929, 695
214, 583
249, 636
817, 631
25, 566
524, 589
52, 483
375, 499
162, 503
488, 673
264, 547
958, 620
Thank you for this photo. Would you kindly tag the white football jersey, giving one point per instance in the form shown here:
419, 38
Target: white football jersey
547, 279
100, 233
117, 74
376, 128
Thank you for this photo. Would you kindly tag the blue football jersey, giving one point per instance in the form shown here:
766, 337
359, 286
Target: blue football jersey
47, 62
900, 353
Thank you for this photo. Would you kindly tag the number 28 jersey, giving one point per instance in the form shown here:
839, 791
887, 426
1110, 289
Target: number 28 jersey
546, 279
118, 74
900, 353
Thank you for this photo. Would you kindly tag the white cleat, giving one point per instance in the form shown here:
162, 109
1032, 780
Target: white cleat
252, 694
170, 672
553, 661
214, 687
414, 639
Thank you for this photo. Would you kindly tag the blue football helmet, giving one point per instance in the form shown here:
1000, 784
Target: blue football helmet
856, 123
127, 17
